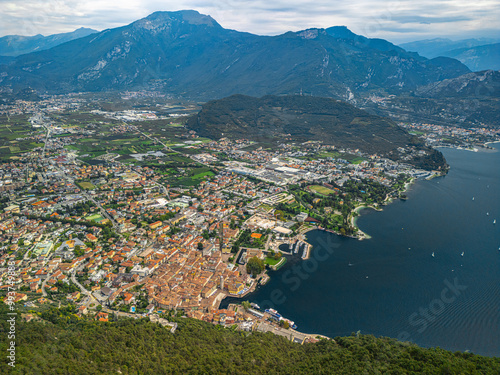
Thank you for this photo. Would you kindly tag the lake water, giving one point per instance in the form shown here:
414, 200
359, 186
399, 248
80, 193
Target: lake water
392, 285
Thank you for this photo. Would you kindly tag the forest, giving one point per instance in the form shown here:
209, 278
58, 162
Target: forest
59, 342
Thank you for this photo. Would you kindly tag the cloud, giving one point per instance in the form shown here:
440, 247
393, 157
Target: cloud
394, 20
430, 20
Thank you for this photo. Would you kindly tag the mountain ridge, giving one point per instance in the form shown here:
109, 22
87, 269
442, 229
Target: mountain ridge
16, 45
477, 54
185, 53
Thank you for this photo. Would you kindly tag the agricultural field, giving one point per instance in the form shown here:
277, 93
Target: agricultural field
127, 143
190, 177
18, 136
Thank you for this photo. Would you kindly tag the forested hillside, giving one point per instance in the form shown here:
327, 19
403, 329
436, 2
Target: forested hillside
65, 344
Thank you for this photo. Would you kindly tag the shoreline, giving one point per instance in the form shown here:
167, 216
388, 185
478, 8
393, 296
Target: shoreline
491, 142
459, 148
353, 218
360, 235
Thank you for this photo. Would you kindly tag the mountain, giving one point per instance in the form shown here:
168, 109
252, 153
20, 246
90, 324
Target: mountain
478, 58
6, 59
188, 54
476, 54
431, 48
305, 118
15, 45
468, 100
485, 84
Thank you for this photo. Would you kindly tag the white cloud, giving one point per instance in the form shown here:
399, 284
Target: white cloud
394, 20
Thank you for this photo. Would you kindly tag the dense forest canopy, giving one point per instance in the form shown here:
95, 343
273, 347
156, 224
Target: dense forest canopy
62, 343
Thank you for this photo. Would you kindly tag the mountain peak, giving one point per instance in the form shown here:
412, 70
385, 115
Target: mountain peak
182, 21
192, 17
310, 33
341, 32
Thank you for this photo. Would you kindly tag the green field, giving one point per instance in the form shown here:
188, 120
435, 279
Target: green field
14, 131
202, 175
329, 154
265, 207
95, 217
192, 177
357, 160
321, 190
271, 261
85, 185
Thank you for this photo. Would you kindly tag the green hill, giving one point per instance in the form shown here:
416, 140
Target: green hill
66, 345
307, 118
304, 118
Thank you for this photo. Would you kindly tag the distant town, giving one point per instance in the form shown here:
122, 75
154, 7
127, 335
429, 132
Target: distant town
125, 212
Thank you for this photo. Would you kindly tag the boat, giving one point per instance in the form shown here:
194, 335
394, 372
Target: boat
433, 253
495, 221
273, 313
487, 214
255, 306
462, 253
350, 264
472, 198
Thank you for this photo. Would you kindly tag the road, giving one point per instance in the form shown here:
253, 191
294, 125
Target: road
91, 298
160, 142
44, 283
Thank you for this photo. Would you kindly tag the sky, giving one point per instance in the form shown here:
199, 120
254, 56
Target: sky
398, 21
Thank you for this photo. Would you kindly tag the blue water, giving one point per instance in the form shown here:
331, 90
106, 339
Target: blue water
391, 285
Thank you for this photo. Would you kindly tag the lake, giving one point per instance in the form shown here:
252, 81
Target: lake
430, 274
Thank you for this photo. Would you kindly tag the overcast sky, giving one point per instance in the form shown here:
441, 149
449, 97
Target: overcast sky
397, 21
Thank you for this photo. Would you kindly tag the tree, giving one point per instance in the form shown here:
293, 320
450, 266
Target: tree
284, 324
78, 251
246, 305
255, 266
200, 246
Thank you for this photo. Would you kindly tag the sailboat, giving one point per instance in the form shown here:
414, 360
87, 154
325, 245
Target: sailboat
462, 253
495, 221
433, 253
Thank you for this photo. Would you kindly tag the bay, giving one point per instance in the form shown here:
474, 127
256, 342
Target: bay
430, 274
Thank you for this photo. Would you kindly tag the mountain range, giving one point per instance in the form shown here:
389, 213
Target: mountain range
477, 54
187, 54
478, 58
15, 45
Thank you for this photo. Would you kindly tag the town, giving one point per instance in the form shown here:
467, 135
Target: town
128, 213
